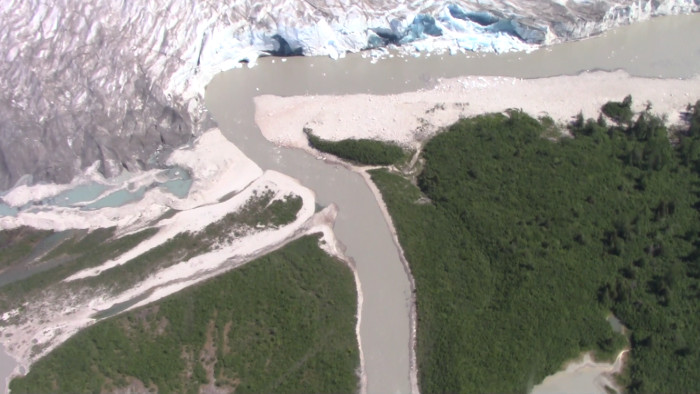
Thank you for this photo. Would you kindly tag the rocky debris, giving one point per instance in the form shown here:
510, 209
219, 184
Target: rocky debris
121, 82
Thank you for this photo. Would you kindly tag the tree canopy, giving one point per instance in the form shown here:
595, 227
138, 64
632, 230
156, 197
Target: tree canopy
521, 246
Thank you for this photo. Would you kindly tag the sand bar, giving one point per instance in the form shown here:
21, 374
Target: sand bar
409, 118
583, 376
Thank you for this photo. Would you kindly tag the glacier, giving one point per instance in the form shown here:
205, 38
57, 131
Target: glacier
120, 82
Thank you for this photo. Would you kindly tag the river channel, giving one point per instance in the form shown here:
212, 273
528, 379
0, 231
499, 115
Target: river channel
656, 48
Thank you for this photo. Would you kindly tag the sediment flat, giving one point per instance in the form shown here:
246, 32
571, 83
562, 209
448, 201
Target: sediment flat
409, 118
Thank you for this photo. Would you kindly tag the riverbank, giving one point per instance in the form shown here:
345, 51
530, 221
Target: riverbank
411, 118
583, 376
413, 316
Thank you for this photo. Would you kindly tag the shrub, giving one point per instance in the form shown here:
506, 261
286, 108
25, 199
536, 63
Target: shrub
362, 151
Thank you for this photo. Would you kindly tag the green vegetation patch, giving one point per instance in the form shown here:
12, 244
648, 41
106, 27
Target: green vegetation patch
520, 247
81, 251
620, 112
362, 151
282, 323
263, 210
17, 244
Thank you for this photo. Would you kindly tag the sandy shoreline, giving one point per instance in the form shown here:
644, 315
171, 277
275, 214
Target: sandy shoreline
583, 376
411, 118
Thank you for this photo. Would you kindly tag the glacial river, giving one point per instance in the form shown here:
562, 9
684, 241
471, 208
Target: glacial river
658, 48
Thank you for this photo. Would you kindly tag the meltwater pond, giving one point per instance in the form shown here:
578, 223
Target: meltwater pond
6, 210
179, 182
78, 194
118, 198
114, 193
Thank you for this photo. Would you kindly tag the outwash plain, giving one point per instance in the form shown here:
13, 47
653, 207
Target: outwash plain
138, 122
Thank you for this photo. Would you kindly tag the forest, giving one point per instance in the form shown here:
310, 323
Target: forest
359, 151
282, 323
521, 246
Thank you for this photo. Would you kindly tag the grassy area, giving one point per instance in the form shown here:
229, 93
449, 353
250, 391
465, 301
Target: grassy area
362, 151
282, 323
525, 245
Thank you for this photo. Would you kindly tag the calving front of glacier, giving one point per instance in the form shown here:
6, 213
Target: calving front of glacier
120, 82
336, 27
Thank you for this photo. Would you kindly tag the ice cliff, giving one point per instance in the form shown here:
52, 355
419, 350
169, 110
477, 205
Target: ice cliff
120, 82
